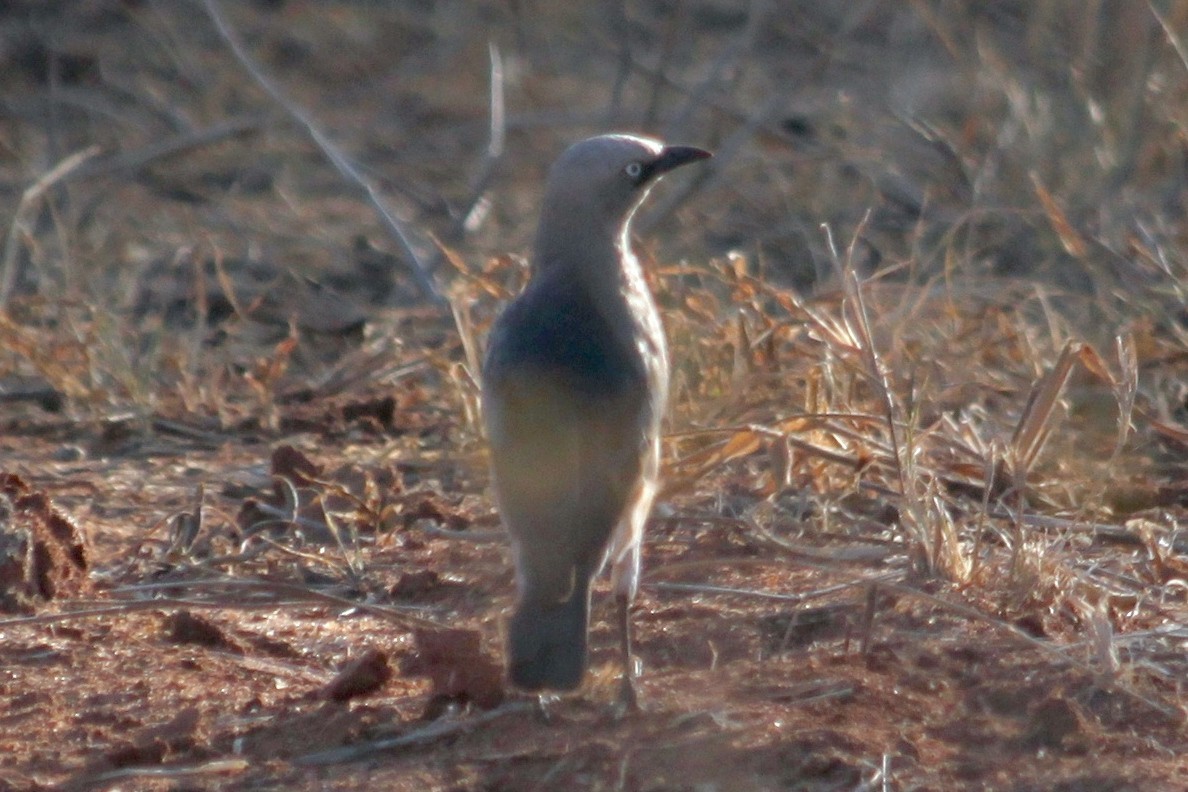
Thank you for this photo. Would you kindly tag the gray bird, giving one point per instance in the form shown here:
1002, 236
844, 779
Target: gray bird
574, 387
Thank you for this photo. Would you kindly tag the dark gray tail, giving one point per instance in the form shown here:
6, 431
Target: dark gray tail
546, 643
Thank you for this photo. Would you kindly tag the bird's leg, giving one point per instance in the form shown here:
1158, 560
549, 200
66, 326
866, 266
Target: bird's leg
625, 582
628, 700
543, 706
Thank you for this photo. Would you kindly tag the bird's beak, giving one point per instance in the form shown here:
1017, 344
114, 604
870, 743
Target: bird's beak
674, 157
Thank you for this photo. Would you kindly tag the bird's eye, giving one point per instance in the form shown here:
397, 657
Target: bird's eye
633, 169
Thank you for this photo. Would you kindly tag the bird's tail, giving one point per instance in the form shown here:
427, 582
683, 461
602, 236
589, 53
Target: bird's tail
546, 642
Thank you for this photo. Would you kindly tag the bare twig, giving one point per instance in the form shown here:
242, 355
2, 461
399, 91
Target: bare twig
696, 98
496, 139
1176, 42
1035, 424
343, 164
139, 158
868, 618
434, 731
293, 596
738, 51
619, 21
1125, 390
861, 330
478, 537
677, 19
721, 106
179, 771
712, 173
19, 226
472, 213
704, 588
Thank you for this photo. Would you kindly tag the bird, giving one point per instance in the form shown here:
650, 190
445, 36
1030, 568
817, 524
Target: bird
573, 391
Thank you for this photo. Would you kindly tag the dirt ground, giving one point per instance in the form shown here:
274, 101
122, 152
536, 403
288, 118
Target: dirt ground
202, 668
246, 540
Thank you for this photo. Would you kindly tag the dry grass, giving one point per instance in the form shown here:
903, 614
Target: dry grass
927, 318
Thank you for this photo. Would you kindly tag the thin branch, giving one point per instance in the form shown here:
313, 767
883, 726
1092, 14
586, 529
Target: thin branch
738, 51
434, 731
1173, 39
495, 140
620, 21
18, 227
285, 595
137, 159
179, 771
712, 172
343, 164
474, 209
705, 588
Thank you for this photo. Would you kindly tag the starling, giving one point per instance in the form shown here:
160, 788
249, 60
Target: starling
574, 388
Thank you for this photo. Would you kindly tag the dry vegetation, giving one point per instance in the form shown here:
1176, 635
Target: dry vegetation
925, 523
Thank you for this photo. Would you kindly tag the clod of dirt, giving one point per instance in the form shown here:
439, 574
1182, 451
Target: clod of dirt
365, 674
437, 510
1057, 723
382, 411
184, 627
42, 555
308, 501
413, 585
817, 761
154, 744
1032, 624
118, 436
458, 667
290, 463
799, 628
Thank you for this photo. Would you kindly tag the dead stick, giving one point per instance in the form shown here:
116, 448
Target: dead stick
336, 157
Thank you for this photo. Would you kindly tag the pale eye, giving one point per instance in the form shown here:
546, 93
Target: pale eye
633, 169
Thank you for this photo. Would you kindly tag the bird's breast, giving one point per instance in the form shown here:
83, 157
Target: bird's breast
587, 347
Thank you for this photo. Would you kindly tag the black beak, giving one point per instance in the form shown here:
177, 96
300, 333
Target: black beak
673, 157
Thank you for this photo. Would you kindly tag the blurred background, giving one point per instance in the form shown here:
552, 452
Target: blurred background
934, 140
928, 428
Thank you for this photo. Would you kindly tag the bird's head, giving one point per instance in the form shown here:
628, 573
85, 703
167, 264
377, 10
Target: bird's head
605, 178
